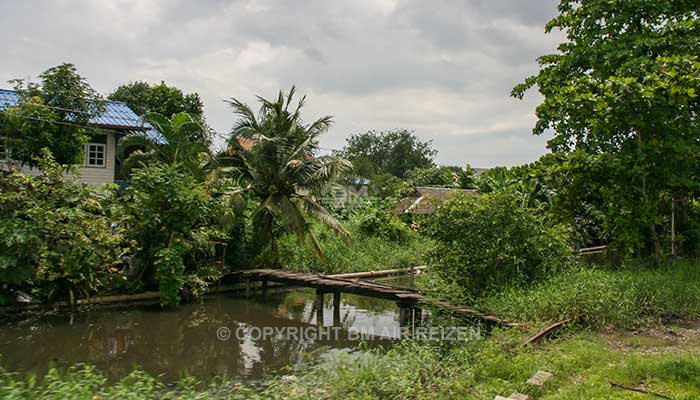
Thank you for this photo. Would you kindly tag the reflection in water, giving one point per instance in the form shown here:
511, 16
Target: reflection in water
184, 341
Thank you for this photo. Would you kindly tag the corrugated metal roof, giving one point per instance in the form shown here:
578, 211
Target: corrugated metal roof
117, 115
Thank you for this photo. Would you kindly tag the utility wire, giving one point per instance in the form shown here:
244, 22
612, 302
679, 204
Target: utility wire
222, 135
110, 115
72, 124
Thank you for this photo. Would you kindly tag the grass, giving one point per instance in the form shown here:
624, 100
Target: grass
364, 253
583, 366
84, 382
597, 297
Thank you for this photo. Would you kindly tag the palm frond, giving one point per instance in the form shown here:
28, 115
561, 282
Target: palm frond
320, 212
131, 142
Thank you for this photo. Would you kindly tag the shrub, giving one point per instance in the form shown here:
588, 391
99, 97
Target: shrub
55, 235
373, 219
487, 242
169, 217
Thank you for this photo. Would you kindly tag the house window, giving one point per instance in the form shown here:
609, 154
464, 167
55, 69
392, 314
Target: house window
95, 155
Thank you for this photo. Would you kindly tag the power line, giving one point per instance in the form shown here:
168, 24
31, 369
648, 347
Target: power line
71, 124
223, 135
117, 117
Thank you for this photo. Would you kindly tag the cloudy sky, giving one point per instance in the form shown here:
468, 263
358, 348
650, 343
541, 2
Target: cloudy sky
441, 68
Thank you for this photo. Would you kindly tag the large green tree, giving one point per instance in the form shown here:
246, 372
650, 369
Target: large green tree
392, 152
53, 114
282, 169
624, 88
144, 98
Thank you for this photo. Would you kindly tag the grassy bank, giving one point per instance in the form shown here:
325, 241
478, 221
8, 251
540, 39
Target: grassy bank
582, 364
635, 327
596, 297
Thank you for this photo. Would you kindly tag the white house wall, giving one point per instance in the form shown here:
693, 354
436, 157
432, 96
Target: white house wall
91, 175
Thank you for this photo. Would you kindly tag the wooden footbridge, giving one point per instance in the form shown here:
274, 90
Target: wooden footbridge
408, 299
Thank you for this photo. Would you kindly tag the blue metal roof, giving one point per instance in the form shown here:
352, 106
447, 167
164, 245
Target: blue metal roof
117, 115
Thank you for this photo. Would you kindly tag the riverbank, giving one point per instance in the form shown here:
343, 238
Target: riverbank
664, 359
630, 328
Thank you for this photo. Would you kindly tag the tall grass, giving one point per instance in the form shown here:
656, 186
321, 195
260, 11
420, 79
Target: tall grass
363, 253
596, 297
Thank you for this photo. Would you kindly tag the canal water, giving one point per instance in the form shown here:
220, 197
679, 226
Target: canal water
243, 339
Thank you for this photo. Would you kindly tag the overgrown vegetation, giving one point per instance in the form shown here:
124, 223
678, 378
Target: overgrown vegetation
364, 253
56, 238
597, 297
582, 365
621, 96
486, 243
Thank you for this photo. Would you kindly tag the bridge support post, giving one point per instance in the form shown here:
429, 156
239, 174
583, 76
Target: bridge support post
417, 316
248, 285
336, 308
264, 288
319, 307
410, 314
404, 314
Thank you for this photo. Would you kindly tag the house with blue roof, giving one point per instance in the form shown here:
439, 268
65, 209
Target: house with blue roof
100, 164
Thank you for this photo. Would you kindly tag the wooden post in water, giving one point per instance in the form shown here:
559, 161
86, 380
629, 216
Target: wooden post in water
248, 284
319, 307
336, 308
264, 288
404, 314
417, 316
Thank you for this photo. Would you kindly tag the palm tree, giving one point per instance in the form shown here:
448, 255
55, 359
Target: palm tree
181, 145
275, 153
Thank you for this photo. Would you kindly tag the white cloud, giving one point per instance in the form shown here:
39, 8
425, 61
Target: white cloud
443, 68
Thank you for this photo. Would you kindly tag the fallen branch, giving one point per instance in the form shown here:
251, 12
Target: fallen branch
638, 390
544, 332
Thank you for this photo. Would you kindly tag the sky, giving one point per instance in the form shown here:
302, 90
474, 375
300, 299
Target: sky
443, 69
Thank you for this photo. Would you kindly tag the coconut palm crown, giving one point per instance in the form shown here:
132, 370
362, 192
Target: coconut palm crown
275, 154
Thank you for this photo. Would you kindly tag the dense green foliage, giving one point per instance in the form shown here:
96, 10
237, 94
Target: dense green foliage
170, 216
364, 253
393, 152
55, 235
486, 242
85, 382
374, 219
623, 92
183, 145
144, 98
282, 172
52, 114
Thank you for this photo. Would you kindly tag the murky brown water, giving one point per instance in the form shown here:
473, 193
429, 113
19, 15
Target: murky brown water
171, 344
